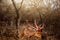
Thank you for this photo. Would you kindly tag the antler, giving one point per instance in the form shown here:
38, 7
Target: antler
41, 26
35, 23
27, 21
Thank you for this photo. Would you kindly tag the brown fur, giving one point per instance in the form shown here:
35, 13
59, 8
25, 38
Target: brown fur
32, 31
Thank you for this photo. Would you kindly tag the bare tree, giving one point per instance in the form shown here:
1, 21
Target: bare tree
17, 15
38, 10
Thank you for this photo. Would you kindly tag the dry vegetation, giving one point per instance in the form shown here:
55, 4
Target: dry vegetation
13, 20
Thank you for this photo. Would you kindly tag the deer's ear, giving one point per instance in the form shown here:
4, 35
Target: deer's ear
41, 26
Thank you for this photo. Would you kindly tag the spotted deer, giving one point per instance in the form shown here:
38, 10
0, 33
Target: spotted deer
32, 31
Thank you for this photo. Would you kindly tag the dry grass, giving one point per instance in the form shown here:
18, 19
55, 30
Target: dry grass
9, 33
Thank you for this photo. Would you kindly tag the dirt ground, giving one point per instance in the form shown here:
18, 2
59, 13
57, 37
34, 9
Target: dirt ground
10, 33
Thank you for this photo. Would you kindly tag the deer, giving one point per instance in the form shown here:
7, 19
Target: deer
32, 30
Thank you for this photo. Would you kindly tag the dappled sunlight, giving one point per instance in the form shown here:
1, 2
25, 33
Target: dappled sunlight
18, 1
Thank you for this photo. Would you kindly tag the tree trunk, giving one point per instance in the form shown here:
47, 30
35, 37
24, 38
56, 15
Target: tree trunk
17, 18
